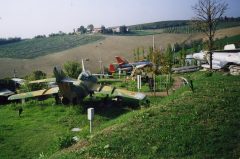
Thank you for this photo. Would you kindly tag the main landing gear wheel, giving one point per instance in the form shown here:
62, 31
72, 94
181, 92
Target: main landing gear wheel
65, 101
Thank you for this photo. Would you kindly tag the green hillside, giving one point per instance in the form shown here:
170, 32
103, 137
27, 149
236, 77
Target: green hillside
44, 127
179, 26
203, 124
36, 47
159, 25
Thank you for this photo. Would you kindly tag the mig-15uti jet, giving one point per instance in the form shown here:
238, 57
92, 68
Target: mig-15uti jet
220, 59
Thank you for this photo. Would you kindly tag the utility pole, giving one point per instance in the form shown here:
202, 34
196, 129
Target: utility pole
153, 42
100, 59
14, 73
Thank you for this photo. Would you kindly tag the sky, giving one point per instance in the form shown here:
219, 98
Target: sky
27, 18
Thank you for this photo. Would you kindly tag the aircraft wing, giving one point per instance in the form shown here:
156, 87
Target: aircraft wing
6, 92
215, 67
216, 64
109, 80
43, 80
115, 92
34, 93
141, 66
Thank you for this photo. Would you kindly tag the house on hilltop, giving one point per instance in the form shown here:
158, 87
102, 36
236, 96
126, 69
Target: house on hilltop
97, 30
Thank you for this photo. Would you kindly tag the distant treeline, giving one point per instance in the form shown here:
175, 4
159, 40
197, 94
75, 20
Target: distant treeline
177, 23
4, 41
159, 25
199, 44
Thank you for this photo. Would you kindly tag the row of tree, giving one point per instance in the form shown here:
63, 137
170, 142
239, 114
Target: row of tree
90, 28
4, 41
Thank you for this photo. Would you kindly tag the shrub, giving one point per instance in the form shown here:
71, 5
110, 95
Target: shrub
66, 141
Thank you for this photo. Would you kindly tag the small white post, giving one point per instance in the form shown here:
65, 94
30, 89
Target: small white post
119, 73
90, 117
139, 82
23, 101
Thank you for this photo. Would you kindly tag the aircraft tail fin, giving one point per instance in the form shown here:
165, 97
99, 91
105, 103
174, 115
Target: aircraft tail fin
83, 67
59, 74
111, 68
121, 60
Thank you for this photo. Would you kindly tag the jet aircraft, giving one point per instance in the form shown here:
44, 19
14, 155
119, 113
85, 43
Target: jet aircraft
124, 65
220, 58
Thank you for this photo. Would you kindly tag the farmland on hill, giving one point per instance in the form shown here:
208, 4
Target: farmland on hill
177, 26
110, 47
36, 47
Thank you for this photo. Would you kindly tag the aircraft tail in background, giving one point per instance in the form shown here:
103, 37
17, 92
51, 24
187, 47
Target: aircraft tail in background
121, 60
111, 68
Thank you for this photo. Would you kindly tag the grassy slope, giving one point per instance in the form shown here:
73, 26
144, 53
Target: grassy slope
32, 48
204, 124
42, 124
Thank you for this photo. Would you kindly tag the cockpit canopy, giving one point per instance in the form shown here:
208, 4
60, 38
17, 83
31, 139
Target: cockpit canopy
87, 76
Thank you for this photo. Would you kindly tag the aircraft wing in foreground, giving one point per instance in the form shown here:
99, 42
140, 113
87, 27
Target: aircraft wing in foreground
37, 93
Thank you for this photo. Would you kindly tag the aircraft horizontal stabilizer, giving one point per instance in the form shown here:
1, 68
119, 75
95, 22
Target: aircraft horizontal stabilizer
6, 92
121, 93
43, 80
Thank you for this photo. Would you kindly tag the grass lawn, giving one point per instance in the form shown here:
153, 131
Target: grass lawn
44, 127
203, 124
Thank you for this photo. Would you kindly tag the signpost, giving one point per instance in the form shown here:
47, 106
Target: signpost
139, 82
119, 73
90, 117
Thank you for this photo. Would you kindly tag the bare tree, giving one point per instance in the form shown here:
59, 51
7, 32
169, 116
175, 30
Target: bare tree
207, 14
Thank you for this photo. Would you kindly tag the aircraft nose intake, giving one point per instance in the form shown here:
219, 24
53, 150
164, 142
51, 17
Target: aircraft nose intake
140, 96
198, 56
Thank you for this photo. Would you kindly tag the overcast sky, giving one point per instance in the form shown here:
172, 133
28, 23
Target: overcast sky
27, 18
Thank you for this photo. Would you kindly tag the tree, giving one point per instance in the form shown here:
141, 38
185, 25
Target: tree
81, 29
169, 58
35, 75
143, 53
134, 55
183, 56
207, 15
138, 54
103, 29
123, 29
72, 69
150, 53
90, 27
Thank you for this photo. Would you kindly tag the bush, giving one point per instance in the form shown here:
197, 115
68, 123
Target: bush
208, 74
72, 69
66, 141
